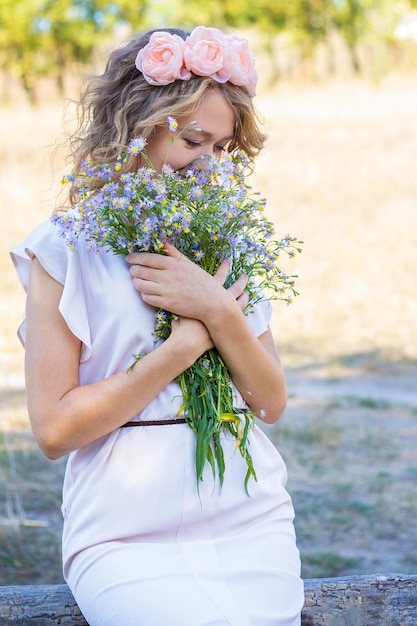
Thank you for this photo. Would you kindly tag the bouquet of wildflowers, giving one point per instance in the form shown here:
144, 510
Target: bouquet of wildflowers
209, 214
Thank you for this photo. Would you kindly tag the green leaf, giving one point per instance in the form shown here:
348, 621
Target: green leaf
218, 451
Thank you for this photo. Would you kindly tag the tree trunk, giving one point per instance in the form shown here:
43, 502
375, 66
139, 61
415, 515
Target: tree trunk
377, 600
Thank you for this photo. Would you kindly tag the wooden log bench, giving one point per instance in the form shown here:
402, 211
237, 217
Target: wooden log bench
377, 600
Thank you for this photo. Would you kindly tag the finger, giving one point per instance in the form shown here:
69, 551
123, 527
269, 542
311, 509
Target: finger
134, 258
144, 272
146, 259
172, 251
222, 271
243, 300
147, 287
238, 287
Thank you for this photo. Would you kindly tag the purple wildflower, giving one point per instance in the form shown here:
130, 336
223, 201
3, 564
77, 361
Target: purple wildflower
172, 124
136, 146
196, 192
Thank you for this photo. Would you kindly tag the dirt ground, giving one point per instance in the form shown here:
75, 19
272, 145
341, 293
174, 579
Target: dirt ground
349, 440
339, 173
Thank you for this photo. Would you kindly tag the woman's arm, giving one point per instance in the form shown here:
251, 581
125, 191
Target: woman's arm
176, 284
253, 363
66, 416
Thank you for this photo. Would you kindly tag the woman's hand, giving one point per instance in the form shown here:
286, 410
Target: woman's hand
174, 283
66, 415
192, 336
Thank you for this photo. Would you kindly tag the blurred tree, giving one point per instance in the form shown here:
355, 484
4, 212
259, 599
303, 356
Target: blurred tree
19, 41
311, 25
45, 37
353, 20
271, 17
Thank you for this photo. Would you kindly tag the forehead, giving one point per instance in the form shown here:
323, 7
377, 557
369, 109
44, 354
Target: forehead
214, 115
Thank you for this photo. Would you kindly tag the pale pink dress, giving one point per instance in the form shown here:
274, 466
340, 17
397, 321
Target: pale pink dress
139, 546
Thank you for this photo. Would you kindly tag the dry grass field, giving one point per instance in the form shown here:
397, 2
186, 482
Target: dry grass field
340, 172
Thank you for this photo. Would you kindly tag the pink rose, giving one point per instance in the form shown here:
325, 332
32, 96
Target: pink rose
161, 60
204, 53
240, 64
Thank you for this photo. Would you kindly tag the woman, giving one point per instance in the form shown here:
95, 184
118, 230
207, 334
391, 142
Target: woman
140, 544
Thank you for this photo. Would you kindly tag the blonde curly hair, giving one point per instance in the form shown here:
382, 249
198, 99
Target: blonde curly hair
120, 105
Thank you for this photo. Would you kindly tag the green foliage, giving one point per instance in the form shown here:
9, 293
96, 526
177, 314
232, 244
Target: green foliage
305, 23
45, 37
328, 564
267, 15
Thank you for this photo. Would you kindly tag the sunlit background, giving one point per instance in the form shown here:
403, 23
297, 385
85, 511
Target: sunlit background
338, 97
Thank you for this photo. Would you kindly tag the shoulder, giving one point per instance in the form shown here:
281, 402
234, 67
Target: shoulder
45, 243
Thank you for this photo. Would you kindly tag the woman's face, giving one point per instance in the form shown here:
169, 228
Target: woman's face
215, 120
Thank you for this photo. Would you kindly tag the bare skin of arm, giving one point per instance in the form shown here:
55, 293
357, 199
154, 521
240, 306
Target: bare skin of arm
66, 416
174, 283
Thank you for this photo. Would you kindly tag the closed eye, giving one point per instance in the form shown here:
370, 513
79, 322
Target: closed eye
192, 144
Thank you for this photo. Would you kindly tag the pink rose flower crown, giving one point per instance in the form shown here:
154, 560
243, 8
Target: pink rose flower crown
205, 52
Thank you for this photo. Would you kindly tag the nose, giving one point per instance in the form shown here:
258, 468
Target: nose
207, 152
207, 149
202, 162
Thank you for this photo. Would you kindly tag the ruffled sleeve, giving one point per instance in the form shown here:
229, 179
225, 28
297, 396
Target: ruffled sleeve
64, 266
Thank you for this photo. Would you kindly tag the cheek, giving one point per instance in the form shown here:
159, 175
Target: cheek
157, 151
180, 158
